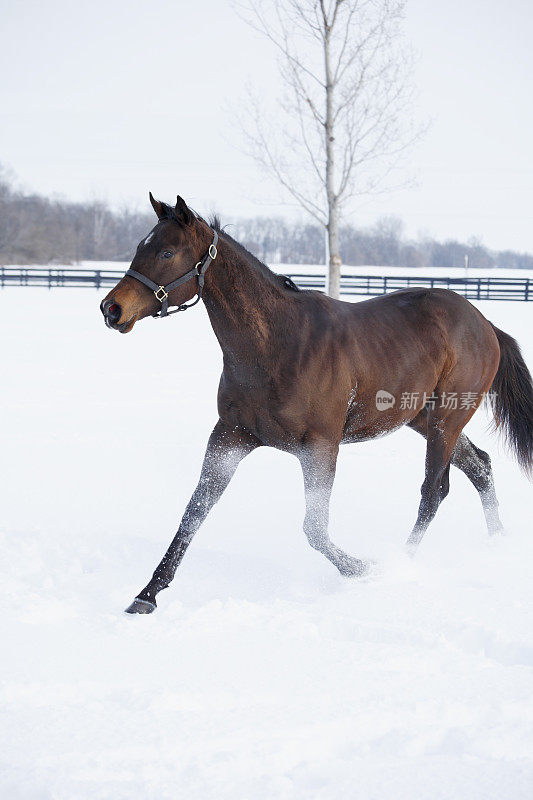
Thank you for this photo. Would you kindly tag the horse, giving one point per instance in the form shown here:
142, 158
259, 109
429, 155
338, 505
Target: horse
305, 373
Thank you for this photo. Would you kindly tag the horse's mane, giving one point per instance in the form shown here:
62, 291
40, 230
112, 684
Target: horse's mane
167, 212
267, 273
215, 223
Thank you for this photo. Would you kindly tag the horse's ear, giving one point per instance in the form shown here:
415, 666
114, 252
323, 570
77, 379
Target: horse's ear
157, 206
182, 211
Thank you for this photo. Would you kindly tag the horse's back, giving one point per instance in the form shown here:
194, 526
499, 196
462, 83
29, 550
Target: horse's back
433, 307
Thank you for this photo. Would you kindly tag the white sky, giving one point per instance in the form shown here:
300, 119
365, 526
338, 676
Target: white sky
111, 99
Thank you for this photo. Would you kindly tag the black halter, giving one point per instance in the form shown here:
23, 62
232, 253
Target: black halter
162, 292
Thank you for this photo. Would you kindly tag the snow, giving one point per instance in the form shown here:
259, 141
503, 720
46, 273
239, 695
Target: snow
263, 673
318, 269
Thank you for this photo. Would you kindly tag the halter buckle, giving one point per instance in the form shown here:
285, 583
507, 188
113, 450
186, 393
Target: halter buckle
212, 252
164, 296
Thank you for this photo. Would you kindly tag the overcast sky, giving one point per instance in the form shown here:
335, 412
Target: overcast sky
112, 98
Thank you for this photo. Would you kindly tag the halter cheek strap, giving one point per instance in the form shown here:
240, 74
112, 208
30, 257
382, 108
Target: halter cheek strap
161, 292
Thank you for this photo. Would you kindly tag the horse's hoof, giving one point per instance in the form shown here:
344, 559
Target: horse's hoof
410, 549
370, 569
141, 607
355, 569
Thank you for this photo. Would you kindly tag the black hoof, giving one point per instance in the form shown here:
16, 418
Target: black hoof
141, 607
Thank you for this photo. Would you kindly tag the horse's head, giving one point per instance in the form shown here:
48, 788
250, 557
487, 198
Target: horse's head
173, 247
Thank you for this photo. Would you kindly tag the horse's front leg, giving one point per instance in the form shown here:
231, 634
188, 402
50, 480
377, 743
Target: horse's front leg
319, 460
225, 450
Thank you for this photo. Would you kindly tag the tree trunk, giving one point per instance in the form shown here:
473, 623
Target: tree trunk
333, 284
334, 267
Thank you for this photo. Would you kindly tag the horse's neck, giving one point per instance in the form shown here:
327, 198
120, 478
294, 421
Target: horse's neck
241, 301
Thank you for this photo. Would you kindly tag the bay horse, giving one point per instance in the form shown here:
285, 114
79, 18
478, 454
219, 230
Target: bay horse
305, 373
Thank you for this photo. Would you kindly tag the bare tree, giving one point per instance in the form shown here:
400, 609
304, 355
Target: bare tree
347, 79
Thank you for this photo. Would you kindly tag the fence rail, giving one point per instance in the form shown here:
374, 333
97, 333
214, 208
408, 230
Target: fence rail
486, 288
61, 276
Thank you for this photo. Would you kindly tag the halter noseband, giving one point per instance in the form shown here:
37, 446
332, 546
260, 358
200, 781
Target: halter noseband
162, 292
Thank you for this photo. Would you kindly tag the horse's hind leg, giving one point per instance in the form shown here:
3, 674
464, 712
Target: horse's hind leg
318, 462
441, 436
225, 450
475, 464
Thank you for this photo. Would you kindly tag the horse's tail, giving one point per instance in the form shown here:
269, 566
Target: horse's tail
512, 401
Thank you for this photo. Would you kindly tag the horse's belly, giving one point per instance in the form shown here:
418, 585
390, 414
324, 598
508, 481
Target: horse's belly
266, 424
381, 413
356, 433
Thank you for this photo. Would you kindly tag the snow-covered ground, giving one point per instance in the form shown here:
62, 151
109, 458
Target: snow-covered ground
318, 269
437, 272
295, 269
263, 674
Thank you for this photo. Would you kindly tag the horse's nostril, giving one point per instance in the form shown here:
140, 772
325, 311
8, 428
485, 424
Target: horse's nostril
112, 311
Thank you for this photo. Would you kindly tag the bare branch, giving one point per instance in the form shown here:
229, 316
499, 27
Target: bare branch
347, 76
260, 24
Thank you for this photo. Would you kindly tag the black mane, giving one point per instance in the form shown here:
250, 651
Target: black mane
216, 224
168, 213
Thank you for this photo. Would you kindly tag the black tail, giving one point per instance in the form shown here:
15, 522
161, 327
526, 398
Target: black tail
512, 400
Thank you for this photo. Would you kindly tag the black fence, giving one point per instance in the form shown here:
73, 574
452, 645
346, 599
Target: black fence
61, 276
487, 288
472, 288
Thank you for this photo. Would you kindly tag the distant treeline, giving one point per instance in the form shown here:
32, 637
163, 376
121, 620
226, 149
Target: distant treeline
36, 230
278, 241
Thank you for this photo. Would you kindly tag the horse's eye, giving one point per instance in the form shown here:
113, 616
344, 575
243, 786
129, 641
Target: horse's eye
167, 254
